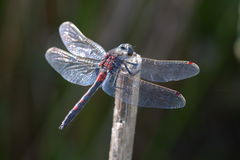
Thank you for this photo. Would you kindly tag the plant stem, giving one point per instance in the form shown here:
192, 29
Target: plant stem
124, 120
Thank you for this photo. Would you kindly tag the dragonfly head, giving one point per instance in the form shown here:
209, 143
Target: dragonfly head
125, 49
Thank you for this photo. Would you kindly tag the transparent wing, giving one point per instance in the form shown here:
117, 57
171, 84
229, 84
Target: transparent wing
75, 69
167, 70
150, 95
78, 44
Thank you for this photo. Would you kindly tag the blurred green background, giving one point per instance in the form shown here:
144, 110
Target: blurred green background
34, 99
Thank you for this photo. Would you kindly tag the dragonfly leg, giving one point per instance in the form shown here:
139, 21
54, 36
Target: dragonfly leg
134, 64
114, 84
116, 64
115, 78
131, 73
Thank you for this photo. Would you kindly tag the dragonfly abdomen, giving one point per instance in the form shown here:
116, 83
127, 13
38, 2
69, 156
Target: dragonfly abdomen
85, 98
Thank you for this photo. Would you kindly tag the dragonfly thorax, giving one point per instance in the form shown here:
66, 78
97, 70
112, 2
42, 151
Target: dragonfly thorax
110, 62
116, 56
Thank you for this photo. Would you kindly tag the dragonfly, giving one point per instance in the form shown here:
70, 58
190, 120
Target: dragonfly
87, 63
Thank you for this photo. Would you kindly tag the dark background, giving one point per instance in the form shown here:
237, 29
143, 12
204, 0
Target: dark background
34, 99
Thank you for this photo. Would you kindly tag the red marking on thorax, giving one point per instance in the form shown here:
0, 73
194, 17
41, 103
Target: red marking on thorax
107, 62
101, 77
190, 62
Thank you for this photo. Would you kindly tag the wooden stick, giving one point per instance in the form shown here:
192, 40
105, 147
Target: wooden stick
124, 120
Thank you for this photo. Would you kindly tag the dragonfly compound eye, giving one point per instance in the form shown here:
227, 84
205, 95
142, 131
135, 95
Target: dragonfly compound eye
130, 51
123, 48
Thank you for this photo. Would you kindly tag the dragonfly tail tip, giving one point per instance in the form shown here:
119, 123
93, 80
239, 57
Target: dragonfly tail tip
61, 127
